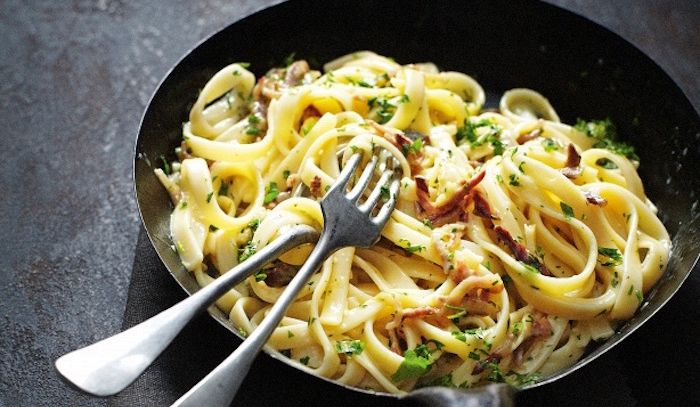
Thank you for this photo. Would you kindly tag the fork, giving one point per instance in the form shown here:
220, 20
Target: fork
109, 366
346, 223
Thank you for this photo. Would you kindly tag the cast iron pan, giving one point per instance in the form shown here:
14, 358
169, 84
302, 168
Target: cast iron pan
585, 71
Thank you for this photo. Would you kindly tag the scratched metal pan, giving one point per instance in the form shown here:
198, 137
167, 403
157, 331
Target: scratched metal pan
585, 71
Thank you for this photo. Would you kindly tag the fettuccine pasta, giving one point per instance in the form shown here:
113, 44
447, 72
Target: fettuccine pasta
517, 240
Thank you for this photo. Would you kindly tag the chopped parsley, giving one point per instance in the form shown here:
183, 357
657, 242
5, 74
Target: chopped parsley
517, 328
166, 167
411, 248
260, 276
414, 147
605, 133
271, 193
247, 251
566, 210
427, 222
223, 188
253, 224
474, 356
606, 163
457, 315
183, 204
609, 257
305, 360
350, 347
513, 180
384, 190
385, 109
209, 195
252, 127
360, 82
639, 295
404, 99
550, 145
286, 174
416, 363
474, 134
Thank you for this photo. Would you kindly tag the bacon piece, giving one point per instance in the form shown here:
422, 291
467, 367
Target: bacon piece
595, 199
520, 252
280, 274
482, 208
524, 138
316, 186
402, 141
461, 273
450, 210
541, 326
573, 159
419, 312
295, 72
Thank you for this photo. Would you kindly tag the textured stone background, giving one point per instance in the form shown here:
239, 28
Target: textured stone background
75, 77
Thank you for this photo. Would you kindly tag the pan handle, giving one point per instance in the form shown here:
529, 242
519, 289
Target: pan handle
492, 395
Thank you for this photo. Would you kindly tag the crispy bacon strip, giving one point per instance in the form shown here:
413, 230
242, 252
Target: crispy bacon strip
315, 186
573, 160
520, 251
419, 312
482, 207
453, 208
541, 326
524, 138
280, 274
402, 141
595, 199
295, 72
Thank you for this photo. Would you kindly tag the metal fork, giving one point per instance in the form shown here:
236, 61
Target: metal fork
346, 223
108, 366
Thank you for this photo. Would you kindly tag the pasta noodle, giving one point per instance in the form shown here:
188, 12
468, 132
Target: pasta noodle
516, 241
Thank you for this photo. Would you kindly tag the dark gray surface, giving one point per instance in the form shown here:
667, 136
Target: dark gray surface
75, 77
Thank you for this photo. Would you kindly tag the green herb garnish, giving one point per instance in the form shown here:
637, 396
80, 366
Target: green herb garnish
271, 193
605, 133
566, 210
350, 347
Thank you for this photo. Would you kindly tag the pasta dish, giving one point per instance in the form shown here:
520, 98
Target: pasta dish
517, 240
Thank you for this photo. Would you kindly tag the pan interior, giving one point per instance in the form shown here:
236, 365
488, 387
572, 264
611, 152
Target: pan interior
583, 69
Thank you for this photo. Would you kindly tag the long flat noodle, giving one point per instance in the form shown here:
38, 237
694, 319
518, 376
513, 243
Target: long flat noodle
515, 242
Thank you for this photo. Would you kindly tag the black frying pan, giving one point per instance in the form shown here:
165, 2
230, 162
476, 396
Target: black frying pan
585, 71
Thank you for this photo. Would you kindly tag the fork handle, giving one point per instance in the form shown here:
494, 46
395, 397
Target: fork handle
219, 387
107, 367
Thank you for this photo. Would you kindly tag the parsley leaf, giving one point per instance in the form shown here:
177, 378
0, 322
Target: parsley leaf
566, 210
409, 247
166, 167
385, 109
384, 190
479, 133
412, 366
247, 251
271, 193
550, 145
350, 347
605, 133
414, 147
609, 257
